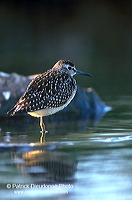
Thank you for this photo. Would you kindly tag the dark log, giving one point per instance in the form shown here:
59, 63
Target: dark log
85, 105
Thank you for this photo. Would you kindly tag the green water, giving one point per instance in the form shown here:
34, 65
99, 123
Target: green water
76, 161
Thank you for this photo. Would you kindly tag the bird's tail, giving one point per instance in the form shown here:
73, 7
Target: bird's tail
14, 110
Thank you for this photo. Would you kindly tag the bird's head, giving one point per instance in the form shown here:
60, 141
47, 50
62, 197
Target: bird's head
68, 67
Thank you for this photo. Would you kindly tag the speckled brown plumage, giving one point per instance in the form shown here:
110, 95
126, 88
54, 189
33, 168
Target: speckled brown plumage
48, 90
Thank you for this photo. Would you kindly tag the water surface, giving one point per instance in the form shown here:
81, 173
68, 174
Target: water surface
75, 162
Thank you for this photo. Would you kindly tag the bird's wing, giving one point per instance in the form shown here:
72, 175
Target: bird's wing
26, 99
46, 90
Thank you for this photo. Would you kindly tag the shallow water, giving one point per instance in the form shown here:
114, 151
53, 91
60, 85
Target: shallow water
76, 161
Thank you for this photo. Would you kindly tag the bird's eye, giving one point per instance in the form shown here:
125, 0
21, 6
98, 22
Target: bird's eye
69, 68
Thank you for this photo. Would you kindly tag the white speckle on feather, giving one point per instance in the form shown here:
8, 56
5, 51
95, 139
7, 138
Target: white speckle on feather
6, 94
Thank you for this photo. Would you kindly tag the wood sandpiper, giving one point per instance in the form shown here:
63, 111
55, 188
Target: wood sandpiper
49, 92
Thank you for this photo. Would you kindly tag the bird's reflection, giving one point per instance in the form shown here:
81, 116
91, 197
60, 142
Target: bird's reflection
47, 166
42, 137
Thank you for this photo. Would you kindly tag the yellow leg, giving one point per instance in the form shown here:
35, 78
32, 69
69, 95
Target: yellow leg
42, 124
42, 137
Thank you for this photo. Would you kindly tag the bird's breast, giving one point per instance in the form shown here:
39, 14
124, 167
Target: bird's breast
52, 110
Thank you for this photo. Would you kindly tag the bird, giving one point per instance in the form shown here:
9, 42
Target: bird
49, 92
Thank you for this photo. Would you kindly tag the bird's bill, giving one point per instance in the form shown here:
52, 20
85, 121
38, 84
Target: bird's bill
83, 73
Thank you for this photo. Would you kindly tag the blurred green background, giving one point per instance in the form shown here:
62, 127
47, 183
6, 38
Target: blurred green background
94, 34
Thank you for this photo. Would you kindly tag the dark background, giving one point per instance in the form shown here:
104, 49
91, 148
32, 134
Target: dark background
95, 35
